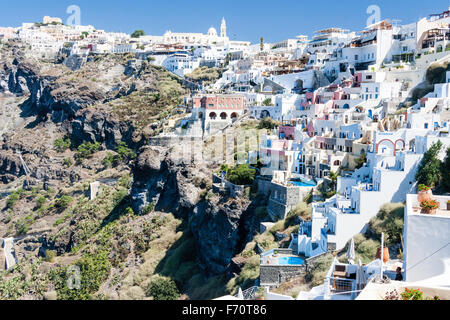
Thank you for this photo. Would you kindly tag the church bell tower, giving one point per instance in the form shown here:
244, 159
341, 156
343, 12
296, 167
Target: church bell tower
223, 28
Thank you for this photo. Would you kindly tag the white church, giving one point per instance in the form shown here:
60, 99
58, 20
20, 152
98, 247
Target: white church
212, 37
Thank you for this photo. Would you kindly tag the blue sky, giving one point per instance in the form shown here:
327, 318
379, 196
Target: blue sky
246, 19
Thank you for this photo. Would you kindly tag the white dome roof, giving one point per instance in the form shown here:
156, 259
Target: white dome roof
212, 32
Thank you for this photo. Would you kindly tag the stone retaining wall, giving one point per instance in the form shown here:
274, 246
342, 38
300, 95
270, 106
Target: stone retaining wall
235, 190
273, 276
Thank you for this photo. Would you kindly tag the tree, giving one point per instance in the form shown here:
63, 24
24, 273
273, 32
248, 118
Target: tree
62, 145
333, 177
138, 33
361, 160
63, 202
267, 102
430, 166
85, 150
241, 175
445, 173
268, 123
262, 43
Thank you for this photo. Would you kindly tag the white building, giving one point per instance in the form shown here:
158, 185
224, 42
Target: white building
427, 243
181, 64
387, 177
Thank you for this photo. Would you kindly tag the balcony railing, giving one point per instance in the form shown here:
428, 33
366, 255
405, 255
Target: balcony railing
341, 286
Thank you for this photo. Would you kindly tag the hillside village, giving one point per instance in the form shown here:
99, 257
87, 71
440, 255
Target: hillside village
337, 187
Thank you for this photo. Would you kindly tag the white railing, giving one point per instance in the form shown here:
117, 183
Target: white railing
340, 286
249, 294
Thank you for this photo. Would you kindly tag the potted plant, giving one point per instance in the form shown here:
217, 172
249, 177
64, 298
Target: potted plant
448, 205
429, 206
261, 293
424, 193
385, 254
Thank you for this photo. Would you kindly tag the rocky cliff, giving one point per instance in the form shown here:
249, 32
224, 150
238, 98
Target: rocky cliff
221, 225
109, 99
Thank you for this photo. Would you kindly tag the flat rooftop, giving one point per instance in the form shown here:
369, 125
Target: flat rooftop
439, 212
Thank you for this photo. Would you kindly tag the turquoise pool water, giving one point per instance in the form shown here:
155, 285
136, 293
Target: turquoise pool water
290, 261
304, 183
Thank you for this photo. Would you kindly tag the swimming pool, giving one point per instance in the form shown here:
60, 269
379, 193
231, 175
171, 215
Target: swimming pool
290, 261
303, 183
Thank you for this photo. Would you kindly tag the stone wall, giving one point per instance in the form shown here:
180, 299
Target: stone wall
273, 276
235, 190
284, 199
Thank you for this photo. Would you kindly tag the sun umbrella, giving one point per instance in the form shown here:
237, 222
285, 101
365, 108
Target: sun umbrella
351, 252
240, 294
361, 277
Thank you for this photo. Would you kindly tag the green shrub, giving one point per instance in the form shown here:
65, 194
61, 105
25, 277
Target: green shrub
124, 152
50, 255
68, 162
24, 224
110, 160
62, 145
241, 175
267, 102
40, 202
162, 288
390, 221
148, 208
249, 273
94, 270
319, 268
86, 150
12, 200
268, 123
63, 202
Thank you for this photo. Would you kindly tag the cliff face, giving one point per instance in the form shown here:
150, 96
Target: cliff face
221, 226
221, 230
166, 181
107, 100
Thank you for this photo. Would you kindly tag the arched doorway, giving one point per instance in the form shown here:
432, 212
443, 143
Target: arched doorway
265, 114
213, 116
386, 147
223, 116
234, 116
399, 145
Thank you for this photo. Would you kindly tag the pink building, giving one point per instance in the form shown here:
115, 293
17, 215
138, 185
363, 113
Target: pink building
220, 107
287, 132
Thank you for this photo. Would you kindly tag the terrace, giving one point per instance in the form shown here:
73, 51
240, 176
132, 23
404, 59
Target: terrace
441, 211
281, 257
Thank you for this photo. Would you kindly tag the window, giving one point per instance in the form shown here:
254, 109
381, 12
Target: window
426, 125
356, 57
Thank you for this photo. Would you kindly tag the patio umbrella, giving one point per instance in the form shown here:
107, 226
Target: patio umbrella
240, 294
360, 276
351, 252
